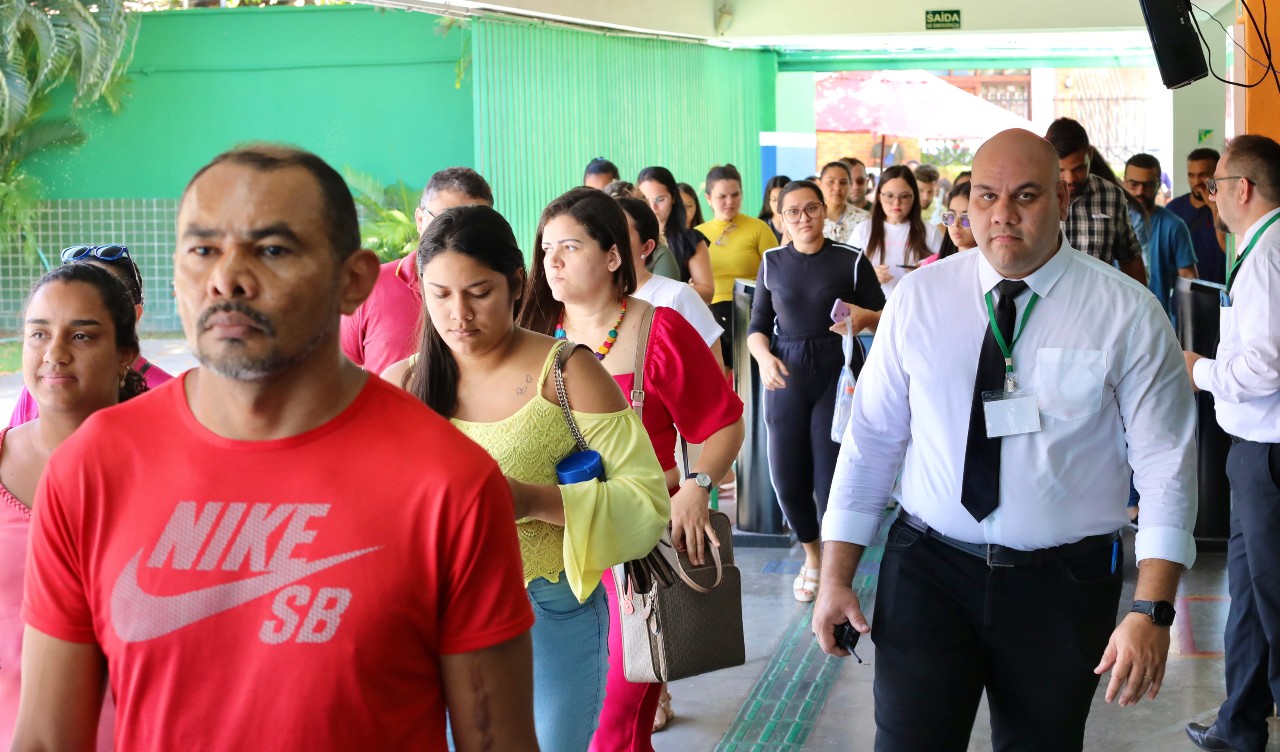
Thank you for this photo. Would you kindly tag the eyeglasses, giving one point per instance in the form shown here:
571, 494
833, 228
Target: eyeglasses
728, 229
109, 254
813, 210
951, 219
102, 252
890, 198
1211, 185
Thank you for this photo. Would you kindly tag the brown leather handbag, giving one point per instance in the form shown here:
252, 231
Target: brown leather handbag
678, 620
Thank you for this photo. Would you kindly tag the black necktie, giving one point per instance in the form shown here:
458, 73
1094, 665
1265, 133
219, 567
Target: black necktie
980, 489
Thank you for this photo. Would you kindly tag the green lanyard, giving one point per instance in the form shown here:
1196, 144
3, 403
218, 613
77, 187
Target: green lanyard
1007, 348
1231, 278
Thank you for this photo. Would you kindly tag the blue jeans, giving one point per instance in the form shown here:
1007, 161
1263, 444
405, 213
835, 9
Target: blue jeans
570, 663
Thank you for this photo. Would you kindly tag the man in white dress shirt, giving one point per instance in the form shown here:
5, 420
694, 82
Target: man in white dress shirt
1245, 382
1002, 572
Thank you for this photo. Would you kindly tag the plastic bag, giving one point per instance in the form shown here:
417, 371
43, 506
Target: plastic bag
844, 390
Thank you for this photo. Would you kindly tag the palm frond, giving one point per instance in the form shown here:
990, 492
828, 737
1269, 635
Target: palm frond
15, 94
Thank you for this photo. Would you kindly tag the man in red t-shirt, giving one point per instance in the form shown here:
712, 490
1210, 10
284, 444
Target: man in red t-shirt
309, 559
382, 329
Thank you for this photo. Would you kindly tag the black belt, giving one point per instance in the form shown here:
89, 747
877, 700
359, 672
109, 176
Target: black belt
1003, 556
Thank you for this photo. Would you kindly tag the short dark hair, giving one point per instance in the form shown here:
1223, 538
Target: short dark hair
1258, 159
1204, 154
601, 166
462, 180
722, 172
339, 206
1143, 162
645, 220
927, 173
1068, 137
854, 161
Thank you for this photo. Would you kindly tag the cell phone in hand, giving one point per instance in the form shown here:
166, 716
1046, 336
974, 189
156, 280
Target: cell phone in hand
839, 311
847, 638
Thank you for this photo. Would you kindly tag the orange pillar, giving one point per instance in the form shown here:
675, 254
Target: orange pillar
1261, 103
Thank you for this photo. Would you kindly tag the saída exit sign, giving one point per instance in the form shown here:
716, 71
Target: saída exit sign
941, 19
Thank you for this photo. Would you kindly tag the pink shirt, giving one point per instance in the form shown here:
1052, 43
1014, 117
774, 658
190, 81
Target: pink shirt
27, 410
383, 330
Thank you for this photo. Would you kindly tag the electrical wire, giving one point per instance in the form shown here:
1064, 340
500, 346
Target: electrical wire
1263, 39
1229, 35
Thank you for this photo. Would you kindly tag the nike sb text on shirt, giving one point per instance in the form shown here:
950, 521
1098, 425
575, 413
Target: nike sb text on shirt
229, 536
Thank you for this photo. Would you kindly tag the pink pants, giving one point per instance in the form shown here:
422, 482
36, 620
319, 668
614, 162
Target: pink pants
626, 722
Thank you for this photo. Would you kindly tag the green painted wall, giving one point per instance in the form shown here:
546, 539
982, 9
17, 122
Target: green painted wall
549, 99
370, 88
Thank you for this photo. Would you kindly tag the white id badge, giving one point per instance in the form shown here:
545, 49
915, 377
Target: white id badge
1011, 413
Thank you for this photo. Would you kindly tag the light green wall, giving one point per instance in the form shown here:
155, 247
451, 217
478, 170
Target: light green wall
550, 99
369, 88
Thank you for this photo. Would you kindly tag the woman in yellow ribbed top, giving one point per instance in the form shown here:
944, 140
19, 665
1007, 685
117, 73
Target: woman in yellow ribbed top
492, 380
737, 242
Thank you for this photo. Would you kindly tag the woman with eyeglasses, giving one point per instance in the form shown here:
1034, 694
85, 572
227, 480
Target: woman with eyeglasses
896, 239
769, 212
79, 337
658, 186
114, 259
692, 207
495, 382
580, 288
738, 242
955, 217
798, 349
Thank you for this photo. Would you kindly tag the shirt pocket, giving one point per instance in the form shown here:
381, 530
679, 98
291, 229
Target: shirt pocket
1070, 382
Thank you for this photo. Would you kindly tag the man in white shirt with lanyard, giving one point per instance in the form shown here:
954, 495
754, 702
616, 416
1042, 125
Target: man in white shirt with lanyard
1245, 382
1003, 569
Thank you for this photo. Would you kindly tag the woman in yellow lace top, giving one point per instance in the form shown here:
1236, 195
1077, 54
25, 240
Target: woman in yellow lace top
492, 379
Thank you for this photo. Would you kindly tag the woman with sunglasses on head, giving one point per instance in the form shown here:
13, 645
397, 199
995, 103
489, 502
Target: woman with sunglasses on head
495, 382
692, 208
79, 338
798, 348
955, 217
896, 239
115, 259
769, 212
738, 242
658, 186
579, 289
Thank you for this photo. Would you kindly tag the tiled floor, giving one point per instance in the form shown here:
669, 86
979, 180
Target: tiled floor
707, 707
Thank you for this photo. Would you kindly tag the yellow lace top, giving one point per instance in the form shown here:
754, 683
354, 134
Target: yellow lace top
605, 523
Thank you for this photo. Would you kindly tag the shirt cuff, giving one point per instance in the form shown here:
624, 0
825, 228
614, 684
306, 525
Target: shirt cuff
1168, 543
1200, 373
848, 526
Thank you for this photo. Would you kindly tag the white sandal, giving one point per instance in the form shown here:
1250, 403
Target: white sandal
802, 591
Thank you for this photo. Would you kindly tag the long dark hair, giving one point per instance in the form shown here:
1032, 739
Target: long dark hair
682, 241
777, 181
949, 247
917, 248
118, 301
479, 233
606, 224
689, 191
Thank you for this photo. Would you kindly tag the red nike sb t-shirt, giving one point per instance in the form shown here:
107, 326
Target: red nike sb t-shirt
288, 594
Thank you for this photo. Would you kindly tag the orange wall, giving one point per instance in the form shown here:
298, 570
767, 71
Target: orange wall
1261, 103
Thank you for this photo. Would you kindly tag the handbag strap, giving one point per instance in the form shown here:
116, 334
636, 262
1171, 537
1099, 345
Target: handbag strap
563, 350
642, 352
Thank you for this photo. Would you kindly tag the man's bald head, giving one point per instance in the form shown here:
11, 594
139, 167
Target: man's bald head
1018, 202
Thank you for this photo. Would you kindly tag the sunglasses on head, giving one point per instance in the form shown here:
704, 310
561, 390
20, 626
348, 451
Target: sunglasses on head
102, 252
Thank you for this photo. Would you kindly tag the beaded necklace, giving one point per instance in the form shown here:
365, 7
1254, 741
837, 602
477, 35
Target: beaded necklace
603, 349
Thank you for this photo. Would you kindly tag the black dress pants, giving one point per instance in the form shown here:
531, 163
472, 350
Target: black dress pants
947, 627
802, 456
1253, 580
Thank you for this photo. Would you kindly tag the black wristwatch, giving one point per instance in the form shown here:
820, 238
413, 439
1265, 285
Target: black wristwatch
1161, 612
702, 479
